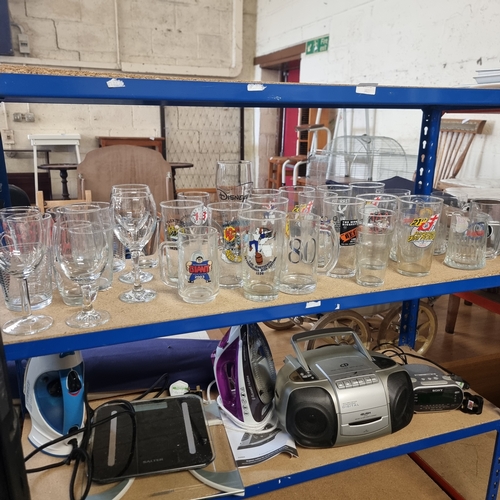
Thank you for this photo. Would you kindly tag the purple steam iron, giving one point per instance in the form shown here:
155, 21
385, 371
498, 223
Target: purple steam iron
246, 376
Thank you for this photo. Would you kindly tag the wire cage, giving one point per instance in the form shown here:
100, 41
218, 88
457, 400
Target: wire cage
360, 157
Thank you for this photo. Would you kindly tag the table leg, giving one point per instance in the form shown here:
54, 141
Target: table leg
64, 182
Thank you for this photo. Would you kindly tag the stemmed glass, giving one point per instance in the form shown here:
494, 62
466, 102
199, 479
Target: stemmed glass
22, 249
82, 251
135, 220
145, 276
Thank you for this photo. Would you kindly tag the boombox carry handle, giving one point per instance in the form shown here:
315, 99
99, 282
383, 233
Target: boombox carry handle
326, 332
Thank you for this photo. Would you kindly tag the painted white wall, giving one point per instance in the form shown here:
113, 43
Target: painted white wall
206, 38
416, 43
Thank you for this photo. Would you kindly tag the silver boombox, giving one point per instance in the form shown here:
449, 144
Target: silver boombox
340, 393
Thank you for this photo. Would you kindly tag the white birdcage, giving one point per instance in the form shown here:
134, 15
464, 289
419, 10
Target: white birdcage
366, 157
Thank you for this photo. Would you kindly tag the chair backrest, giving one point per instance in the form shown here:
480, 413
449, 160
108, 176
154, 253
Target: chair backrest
43, 204
455, 140
122, 164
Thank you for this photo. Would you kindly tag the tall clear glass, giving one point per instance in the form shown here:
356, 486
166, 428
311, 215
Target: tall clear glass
22, 249
149, 252
81, 244
233, 180
135, 221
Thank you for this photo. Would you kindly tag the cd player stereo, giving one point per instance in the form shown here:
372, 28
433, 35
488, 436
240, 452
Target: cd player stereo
340, 393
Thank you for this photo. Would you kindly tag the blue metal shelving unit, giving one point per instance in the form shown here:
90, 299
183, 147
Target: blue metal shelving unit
161, 92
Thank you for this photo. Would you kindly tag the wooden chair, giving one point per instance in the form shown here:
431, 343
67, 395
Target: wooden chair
455, 140
43, 204
488, 299
102, 168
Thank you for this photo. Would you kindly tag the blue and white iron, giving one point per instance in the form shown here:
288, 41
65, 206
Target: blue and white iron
246, 376
55, 399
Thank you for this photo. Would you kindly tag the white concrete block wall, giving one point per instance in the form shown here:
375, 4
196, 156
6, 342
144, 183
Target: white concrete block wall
192, 36
425, 43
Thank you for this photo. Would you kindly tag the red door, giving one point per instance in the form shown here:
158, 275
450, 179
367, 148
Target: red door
291, 115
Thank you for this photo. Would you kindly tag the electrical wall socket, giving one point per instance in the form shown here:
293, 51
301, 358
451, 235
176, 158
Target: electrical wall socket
24, 43
7, 136
23, 117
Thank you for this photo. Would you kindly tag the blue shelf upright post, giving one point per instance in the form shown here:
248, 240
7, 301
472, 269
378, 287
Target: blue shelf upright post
4, 183
427, 151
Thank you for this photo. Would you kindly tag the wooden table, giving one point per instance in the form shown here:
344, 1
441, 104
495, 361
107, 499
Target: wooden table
63, 172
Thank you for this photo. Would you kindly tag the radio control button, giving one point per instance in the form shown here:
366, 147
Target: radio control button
355, 382
361, 381
341, 385
348, 383
368, 380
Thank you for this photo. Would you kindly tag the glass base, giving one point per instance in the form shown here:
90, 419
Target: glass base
369, 281
129, 277
27, 325
88, 319
133, 296
260, 292
334, 273
230, 281
118, 265
297, 284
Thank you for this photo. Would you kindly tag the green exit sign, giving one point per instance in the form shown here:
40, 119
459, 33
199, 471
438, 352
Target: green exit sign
317, 45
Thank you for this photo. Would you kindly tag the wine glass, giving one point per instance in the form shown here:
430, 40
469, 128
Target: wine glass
22, 249
135, 221
233, 180
145, 276
82, 252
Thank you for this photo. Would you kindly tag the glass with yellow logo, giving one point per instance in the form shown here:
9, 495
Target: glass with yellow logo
225, 217
176, 216
416, 231
262, 238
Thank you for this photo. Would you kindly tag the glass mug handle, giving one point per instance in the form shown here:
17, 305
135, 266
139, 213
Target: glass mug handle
330, 235
165, 262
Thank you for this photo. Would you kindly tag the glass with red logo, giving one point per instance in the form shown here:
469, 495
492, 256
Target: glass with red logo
343, 214
176, 216
198, 264
416, 232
